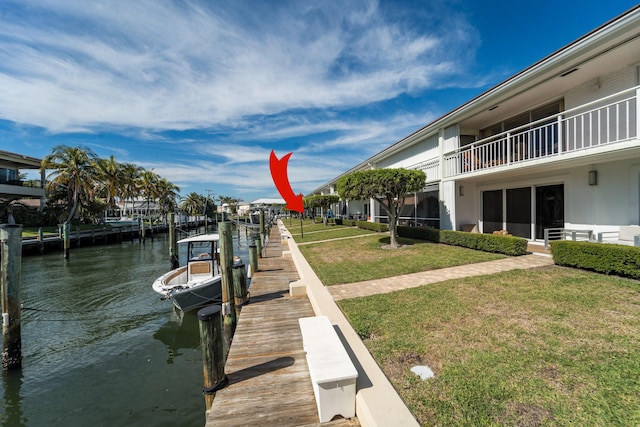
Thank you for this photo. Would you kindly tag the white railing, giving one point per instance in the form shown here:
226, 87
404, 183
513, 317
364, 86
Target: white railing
607, 121
566, 234
430, 167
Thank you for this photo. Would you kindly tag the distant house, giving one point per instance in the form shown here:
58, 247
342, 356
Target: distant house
12, 165
554, 146
271, 206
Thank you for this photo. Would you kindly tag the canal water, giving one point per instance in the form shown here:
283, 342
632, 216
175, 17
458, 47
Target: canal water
99, 347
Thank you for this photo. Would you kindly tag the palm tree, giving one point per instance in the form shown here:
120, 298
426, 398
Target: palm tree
111, 178
72, 169
148, 185
192, 204
167, 196
130, 179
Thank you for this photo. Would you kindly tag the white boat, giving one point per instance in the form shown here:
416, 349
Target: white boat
197, 283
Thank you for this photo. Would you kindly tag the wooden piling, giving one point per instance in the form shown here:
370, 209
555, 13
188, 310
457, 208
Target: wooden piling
226, 270
253, 258
41, 239
258, 242
239, 287
11, 259
66, 237
212, 345
173, 243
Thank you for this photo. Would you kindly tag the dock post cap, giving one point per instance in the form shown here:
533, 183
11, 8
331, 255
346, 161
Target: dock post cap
209, 312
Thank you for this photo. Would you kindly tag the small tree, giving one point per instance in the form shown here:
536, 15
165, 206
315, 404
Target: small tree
323, 201
388, 187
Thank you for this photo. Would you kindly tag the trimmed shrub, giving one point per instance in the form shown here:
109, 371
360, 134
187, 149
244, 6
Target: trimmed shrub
507, 245
419, 233
599, 257
374, 226
365, 225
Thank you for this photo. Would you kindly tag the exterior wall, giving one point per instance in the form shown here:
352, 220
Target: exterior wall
451, 140
609, 84
609, 204
467, 204
448, 205
424, 150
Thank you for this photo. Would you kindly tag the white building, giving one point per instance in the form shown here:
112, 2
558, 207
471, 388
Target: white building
12, 165
554, 146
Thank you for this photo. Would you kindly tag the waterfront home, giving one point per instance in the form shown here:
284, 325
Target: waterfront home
554, 146
12, 165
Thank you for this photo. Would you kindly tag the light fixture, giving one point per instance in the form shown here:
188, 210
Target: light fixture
461, 190
593, 177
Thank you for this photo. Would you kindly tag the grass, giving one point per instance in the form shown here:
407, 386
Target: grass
548, 346
364, 258
331, 233
309, 226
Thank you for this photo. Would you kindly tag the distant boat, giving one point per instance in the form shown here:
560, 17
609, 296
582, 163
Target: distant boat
199, 282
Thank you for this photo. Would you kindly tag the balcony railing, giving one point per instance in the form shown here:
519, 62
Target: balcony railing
607, 121
430, 167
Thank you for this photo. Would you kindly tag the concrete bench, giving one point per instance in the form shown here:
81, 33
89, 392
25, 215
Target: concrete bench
627, 235
333, 375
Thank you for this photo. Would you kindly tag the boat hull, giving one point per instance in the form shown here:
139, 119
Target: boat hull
198, 296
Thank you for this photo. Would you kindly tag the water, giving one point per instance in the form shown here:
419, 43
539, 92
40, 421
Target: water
99, 347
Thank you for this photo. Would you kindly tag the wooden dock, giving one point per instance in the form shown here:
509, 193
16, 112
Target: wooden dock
269, 382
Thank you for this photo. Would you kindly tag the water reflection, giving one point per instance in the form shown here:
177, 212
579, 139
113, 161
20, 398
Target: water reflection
178, 333
12, 414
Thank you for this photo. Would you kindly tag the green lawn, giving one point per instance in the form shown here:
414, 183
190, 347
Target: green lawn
365, 258
330, 233
549, 346
309, 226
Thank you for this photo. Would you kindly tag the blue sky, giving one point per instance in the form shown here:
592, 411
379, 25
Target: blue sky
202, 91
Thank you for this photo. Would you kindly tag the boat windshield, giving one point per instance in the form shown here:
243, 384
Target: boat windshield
200, 250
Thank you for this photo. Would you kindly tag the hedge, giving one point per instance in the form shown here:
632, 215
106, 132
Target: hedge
507, 245
366, 225
599, 257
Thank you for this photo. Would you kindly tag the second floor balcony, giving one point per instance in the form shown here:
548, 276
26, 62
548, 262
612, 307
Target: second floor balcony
596, 125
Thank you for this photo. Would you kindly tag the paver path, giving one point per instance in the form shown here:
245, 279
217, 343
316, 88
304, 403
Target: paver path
390, 284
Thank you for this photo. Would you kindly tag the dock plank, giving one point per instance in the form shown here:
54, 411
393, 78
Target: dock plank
269, 383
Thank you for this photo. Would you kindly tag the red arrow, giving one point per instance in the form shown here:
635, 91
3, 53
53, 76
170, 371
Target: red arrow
281, 180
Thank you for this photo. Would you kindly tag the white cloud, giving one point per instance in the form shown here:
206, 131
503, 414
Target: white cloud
215, 87
163, 65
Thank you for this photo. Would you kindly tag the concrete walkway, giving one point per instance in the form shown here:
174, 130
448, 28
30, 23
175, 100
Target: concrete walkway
390, 284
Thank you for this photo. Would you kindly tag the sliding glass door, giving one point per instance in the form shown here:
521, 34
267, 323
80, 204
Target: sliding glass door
549, 208
519, 212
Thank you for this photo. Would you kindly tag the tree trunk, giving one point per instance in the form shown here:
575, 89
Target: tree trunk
392, 234
73, 210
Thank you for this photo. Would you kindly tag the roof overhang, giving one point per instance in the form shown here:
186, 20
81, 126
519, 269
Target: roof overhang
19, 161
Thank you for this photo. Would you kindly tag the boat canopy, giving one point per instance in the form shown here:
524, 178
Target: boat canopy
213, 237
